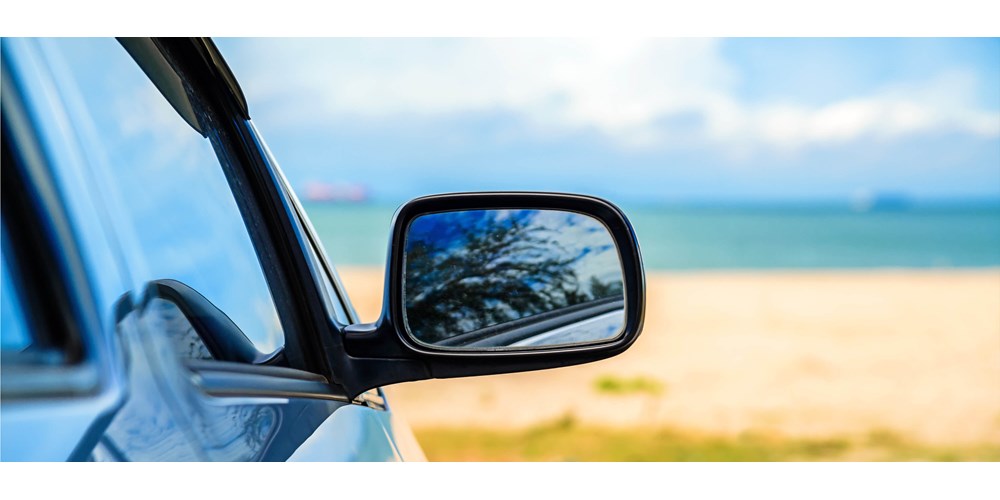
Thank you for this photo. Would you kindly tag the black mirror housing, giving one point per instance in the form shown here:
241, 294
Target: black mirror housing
396, 356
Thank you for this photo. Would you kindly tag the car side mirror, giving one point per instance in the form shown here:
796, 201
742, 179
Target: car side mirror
485, 283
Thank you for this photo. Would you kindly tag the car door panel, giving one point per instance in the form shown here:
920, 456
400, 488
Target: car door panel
353, 433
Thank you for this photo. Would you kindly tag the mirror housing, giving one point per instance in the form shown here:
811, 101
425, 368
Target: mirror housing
396, 356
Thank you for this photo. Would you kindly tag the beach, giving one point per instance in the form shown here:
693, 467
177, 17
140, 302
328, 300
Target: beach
912, 353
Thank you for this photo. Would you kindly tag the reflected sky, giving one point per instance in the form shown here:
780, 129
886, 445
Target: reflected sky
14, 334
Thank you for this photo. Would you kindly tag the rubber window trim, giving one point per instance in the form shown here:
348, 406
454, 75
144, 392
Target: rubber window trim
228, 379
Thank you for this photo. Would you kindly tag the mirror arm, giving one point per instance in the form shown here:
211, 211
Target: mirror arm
376, 357
374, 340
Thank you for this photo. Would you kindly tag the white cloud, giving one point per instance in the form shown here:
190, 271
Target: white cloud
622, 88
942, 104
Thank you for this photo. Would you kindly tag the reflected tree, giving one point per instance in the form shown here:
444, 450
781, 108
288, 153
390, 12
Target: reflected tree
605, 289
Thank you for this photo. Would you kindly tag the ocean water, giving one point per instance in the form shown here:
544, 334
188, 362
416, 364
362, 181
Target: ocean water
676, 238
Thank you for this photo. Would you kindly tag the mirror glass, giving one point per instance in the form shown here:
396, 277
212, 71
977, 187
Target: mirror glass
511, 279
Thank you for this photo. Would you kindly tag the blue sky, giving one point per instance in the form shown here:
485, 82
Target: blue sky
644, 120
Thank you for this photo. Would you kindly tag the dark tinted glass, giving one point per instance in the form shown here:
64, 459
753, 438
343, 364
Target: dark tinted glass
475, 276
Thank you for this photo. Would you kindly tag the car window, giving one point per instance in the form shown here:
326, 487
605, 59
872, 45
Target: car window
14, 333
180, 224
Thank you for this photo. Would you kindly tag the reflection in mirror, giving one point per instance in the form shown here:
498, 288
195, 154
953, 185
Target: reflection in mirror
511, 279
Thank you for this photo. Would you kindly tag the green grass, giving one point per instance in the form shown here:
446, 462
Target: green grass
620, 386
566, 440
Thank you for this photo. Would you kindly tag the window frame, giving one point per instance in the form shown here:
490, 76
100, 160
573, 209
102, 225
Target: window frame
57, 304
193, 105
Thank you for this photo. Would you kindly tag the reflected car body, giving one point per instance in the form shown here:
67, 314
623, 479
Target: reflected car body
591, 321
599, 327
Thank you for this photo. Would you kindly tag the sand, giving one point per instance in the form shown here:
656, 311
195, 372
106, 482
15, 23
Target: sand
797, 353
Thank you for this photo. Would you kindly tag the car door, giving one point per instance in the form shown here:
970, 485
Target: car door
205, 257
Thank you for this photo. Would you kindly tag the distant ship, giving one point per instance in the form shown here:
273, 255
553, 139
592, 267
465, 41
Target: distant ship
341, 192
867, 201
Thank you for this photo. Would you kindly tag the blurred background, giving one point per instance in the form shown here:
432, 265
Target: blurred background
819, 220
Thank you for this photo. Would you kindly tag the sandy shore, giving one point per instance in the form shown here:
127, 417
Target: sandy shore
799, 353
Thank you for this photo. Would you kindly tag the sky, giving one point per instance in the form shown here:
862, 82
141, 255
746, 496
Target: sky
643, 120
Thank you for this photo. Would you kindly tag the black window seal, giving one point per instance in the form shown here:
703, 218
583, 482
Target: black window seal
228, 379
328, 270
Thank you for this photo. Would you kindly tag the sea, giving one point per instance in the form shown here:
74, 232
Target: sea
681, 238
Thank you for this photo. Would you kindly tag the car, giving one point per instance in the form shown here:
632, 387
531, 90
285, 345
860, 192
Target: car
165, 297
